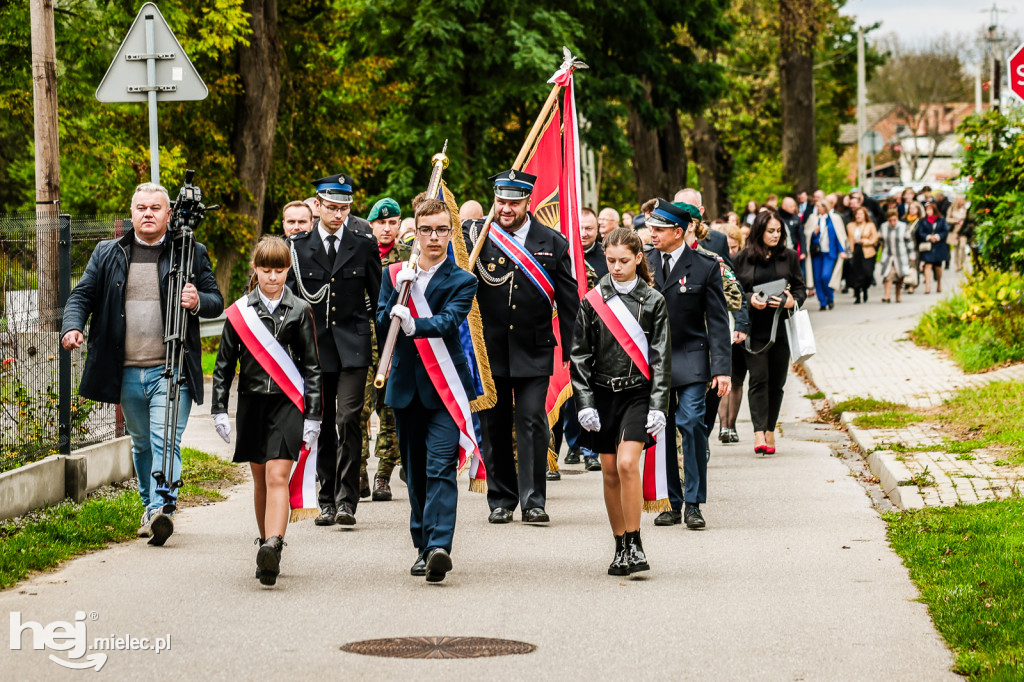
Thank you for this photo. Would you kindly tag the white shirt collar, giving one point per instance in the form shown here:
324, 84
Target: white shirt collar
157, 243
625, 287
324, 234
520, 234
674, 255
271, 305
423, 276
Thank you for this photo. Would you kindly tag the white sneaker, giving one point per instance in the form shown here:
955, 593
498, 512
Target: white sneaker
145, 530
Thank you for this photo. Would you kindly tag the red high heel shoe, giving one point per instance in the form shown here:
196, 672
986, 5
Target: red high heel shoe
768, 450
760, 449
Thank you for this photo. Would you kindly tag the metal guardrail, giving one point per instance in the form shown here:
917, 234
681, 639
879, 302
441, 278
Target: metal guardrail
213, 326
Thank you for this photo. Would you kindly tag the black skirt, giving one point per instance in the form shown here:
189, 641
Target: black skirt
267, 427
623, 417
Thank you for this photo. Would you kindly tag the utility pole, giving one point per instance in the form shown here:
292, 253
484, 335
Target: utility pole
862, 105
977, 90
995, 49
47, 157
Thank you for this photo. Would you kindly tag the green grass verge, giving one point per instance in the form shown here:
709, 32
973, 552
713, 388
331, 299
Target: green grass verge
209, 361
814, 396
866, 405
886, 420
46, 537
966, 561
987, 416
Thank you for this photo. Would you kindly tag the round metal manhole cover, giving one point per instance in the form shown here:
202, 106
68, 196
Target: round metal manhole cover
438, 647
572, 472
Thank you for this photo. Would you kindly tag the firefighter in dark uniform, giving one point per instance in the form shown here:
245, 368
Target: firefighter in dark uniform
336, 268
517, 322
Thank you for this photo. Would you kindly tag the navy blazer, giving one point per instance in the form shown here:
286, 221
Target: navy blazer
698, 316
449, 294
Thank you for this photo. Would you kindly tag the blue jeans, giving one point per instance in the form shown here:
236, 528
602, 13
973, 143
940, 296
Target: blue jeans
821, 269
143, 398
689, 418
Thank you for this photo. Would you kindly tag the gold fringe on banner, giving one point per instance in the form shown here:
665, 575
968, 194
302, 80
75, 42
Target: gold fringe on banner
477, 485
476, 327
302, 514
657, 506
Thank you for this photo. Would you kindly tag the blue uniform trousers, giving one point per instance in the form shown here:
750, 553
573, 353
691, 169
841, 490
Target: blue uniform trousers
429, 442
821, 269
689, 408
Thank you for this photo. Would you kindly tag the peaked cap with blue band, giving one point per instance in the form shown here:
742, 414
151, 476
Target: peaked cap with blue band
667, 214
336, 188
513, 185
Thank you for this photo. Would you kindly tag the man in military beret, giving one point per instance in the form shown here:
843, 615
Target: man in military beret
336, 269
691, 283
525, 274
384, 217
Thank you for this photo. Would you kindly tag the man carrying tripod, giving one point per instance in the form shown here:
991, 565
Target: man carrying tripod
125, 289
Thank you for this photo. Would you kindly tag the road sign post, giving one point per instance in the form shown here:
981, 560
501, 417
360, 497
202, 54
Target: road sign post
1015, 69
151, 54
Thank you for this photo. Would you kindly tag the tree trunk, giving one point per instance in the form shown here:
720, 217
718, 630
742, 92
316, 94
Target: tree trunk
47, 149
659, 156
259, 68
798, 20
714, 167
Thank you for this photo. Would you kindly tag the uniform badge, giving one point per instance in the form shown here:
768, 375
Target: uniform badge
511, 175
490, 267
501, 260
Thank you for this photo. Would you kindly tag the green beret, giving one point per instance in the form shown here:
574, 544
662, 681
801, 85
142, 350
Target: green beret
689, 208
385, 208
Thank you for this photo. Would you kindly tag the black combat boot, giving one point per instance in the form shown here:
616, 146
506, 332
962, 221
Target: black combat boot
619, 565
635, 553
268, 560
258, 542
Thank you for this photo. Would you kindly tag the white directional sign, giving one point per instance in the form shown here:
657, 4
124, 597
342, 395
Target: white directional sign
150, 42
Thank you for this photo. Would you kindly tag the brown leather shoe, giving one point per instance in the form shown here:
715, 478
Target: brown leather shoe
364, 486
381, 489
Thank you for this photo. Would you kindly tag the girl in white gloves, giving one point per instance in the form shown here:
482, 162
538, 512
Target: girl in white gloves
621, 378
271, 336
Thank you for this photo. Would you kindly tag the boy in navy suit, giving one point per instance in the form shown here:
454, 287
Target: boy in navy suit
430, 385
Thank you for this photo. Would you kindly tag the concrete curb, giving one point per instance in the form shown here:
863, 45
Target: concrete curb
50, 480
889, 471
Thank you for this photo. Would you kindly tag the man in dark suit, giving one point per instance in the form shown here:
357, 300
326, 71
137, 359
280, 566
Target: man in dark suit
337, 268
691, 283
593, 252
524, 272
428, 434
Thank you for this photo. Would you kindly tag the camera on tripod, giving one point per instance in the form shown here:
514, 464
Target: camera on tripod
188, 210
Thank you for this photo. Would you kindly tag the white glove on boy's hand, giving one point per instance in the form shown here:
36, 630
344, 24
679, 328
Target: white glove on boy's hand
655, 422
222, 423
310, 432
403, 314
406, 274
589, 419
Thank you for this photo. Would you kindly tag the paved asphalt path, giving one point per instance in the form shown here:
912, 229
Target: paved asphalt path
792, 580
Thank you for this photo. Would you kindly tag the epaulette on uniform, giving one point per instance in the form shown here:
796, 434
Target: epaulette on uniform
300, 235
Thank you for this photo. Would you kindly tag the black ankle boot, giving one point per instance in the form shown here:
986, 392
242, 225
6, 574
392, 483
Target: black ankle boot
258, 542
268, 560
619, 565
635, 553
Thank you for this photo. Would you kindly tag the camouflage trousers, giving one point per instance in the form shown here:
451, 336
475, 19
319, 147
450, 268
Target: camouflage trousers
386, 449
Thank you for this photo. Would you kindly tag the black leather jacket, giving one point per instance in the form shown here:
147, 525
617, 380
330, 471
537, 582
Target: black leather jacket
598, 359
292, 324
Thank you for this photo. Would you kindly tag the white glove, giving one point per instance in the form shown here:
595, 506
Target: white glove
406, 274
589, 419
223, 426
403, 314
655, 422
310, 432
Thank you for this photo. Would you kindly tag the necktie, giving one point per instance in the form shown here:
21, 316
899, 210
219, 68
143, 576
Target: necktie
332, 248
666, 266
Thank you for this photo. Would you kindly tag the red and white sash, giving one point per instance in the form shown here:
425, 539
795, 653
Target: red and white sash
276, 362
445, 379
526, 261
630, 335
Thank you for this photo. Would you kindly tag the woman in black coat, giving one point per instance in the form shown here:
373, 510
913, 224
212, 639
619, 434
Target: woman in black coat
766, 259
931, 237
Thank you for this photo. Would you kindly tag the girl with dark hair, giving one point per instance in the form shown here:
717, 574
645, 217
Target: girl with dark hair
271, 336
766, 264
621, 377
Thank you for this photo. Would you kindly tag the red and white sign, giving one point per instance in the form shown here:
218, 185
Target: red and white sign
1016, 66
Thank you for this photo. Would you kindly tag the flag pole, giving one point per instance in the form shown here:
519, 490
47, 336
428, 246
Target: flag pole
518, 165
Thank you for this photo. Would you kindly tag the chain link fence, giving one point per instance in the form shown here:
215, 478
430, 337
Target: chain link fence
42, 257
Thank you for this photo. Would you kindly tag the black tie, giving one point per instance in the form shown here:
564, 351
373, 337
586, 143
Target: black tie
332, 248
666, 266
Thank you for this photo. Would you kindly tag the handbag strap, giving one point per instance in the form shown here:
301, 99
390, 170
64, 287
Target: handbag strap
771, 342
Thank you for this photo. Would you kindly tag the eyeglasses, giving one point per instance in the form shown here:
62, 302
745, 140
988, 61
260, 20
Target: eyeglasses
439, 231
342, 208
